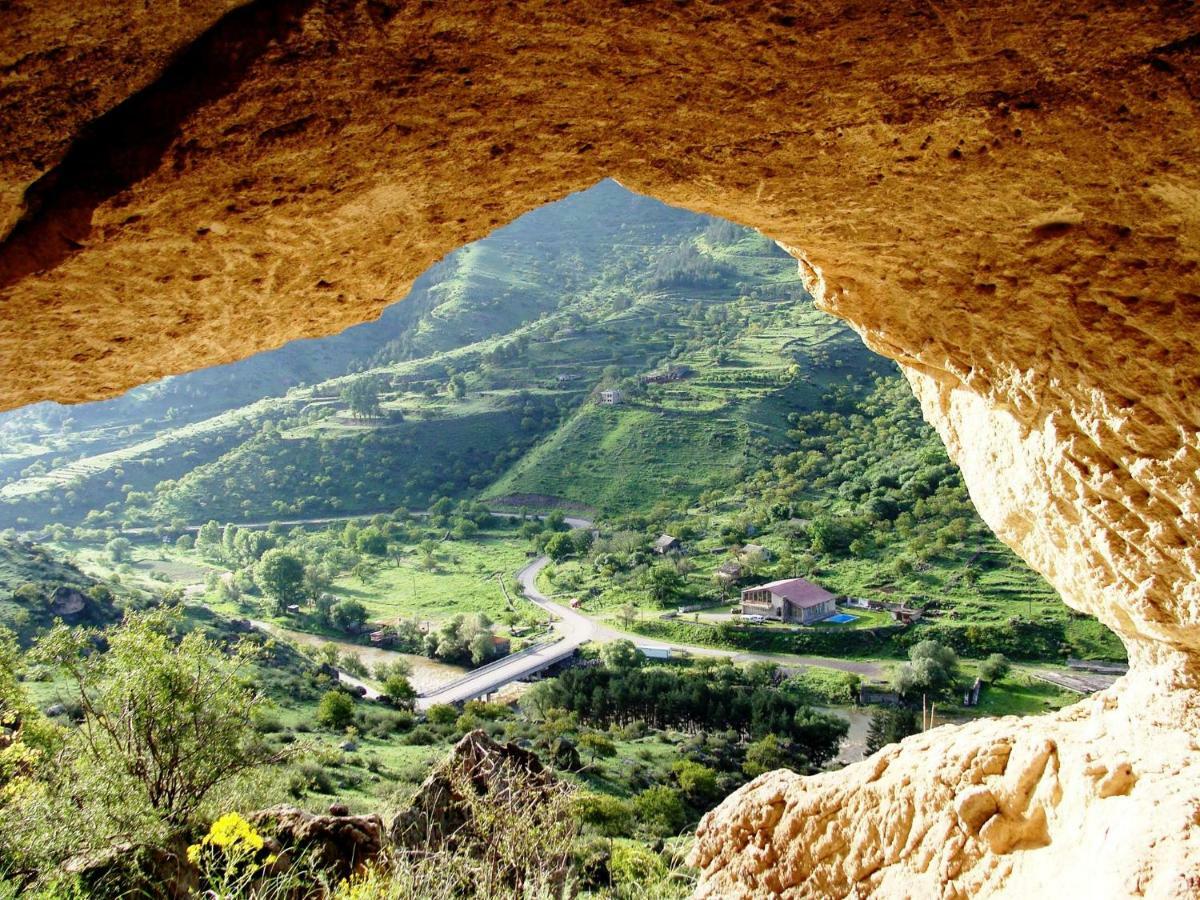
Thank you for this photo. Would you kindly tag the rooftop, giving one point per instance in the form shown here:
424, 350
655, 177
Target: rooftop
798, 591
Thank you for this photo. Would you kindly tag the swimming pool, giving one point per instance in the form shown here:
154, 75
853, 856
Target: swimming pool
841, 619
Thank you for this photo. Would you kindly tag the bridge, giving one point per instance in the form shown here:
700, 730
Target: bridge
573, 631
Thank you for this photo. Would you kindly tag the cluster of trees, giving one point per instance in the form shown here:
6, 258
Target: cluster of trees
460, 640
361, 396
879, 475
269, 475
686, 266
723, 698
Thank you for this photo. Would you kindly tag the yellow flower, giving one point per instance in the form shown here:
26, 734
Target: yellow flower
193, 854
231, 830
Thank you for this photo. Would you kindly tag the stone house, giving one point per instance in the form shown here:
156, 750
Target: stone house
666, 544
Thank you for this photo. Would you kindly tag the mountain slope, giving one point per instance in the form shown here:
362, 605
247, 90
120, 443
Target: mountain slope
593, 290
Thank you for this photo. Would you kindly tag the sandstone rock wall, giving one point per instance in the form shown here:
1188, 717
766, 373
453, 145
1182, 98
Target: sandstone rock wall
1003, 197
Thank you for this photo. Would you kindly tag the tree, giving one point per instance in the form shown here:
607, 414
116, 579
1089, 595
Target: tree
208, 538
888, 725
329, 653
818, 735
316, 582
373, 541
663, 583
280, 575
932, 669
249, 546
597, 744
400, 690
119, 549
324, 608
560, 546
349, 616
336, 710
994, 668
398, 666
365, 571
583, 539
164, 722
629, 614
620, 655
457, 387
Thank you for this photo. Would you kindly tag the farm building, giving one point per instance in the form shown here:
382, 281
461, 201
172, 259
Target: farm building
667, 544
674, 373
609, 398
790, 600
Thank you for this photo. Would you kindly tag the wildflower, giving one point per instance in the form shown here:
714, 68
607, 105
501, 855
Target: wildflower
231, 830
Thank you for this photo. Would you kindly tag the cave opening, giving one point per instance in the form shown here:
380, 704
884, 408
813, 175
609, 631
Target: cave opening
1007, 209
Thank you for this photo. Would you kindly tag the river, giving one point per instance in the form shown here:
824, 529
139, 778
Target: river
427, 674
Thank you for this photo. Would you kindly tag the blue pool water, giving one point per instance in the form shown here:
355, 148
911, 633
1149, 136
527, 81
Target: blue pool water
841, 619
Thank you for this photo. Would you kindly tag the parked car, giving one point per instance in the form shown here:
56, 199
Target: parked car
754, 620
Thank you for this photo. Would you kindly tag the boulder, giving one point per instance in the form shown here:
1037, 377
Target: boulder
436, 816
339, 844
136, 870
68, 602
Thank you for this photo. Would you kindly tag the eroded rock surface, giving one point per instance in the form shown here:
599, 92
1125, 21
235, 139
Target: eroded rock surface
1003, 197
338, 843
1101, 800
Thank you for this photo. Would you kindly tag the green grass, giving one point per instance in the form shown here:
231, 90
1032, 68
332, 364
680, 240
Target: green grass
465, 582
1018, 694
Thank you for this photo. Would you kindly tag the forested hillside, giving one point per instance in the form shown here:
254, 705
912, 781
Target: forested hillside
483, 380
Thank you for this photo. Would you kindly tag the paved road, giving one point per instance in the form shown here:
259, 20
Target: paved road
1079, 682
573, 521
585, 628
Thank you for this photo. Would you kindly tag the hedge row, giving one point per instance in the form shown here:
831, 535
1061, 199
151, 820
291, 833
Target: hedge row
1020, 639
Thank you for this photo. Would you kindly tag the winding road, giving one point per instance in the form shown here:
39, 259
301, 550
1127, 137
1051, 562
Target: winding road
575, 629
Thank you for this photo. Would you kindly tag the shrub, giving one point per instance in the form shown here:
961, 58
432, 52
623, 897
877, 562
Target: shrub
442, 714
994, 668
336, 710
660, 811
604, 814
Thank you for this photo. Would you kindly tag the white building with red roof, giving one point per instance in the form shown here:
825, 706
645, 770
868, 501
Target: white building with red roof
789, 600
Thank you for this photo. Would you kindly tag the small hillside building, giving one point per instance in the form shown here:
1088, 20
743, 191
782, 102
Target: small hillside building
756, 550
790, 600
667, 544
730, 572
609, 398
